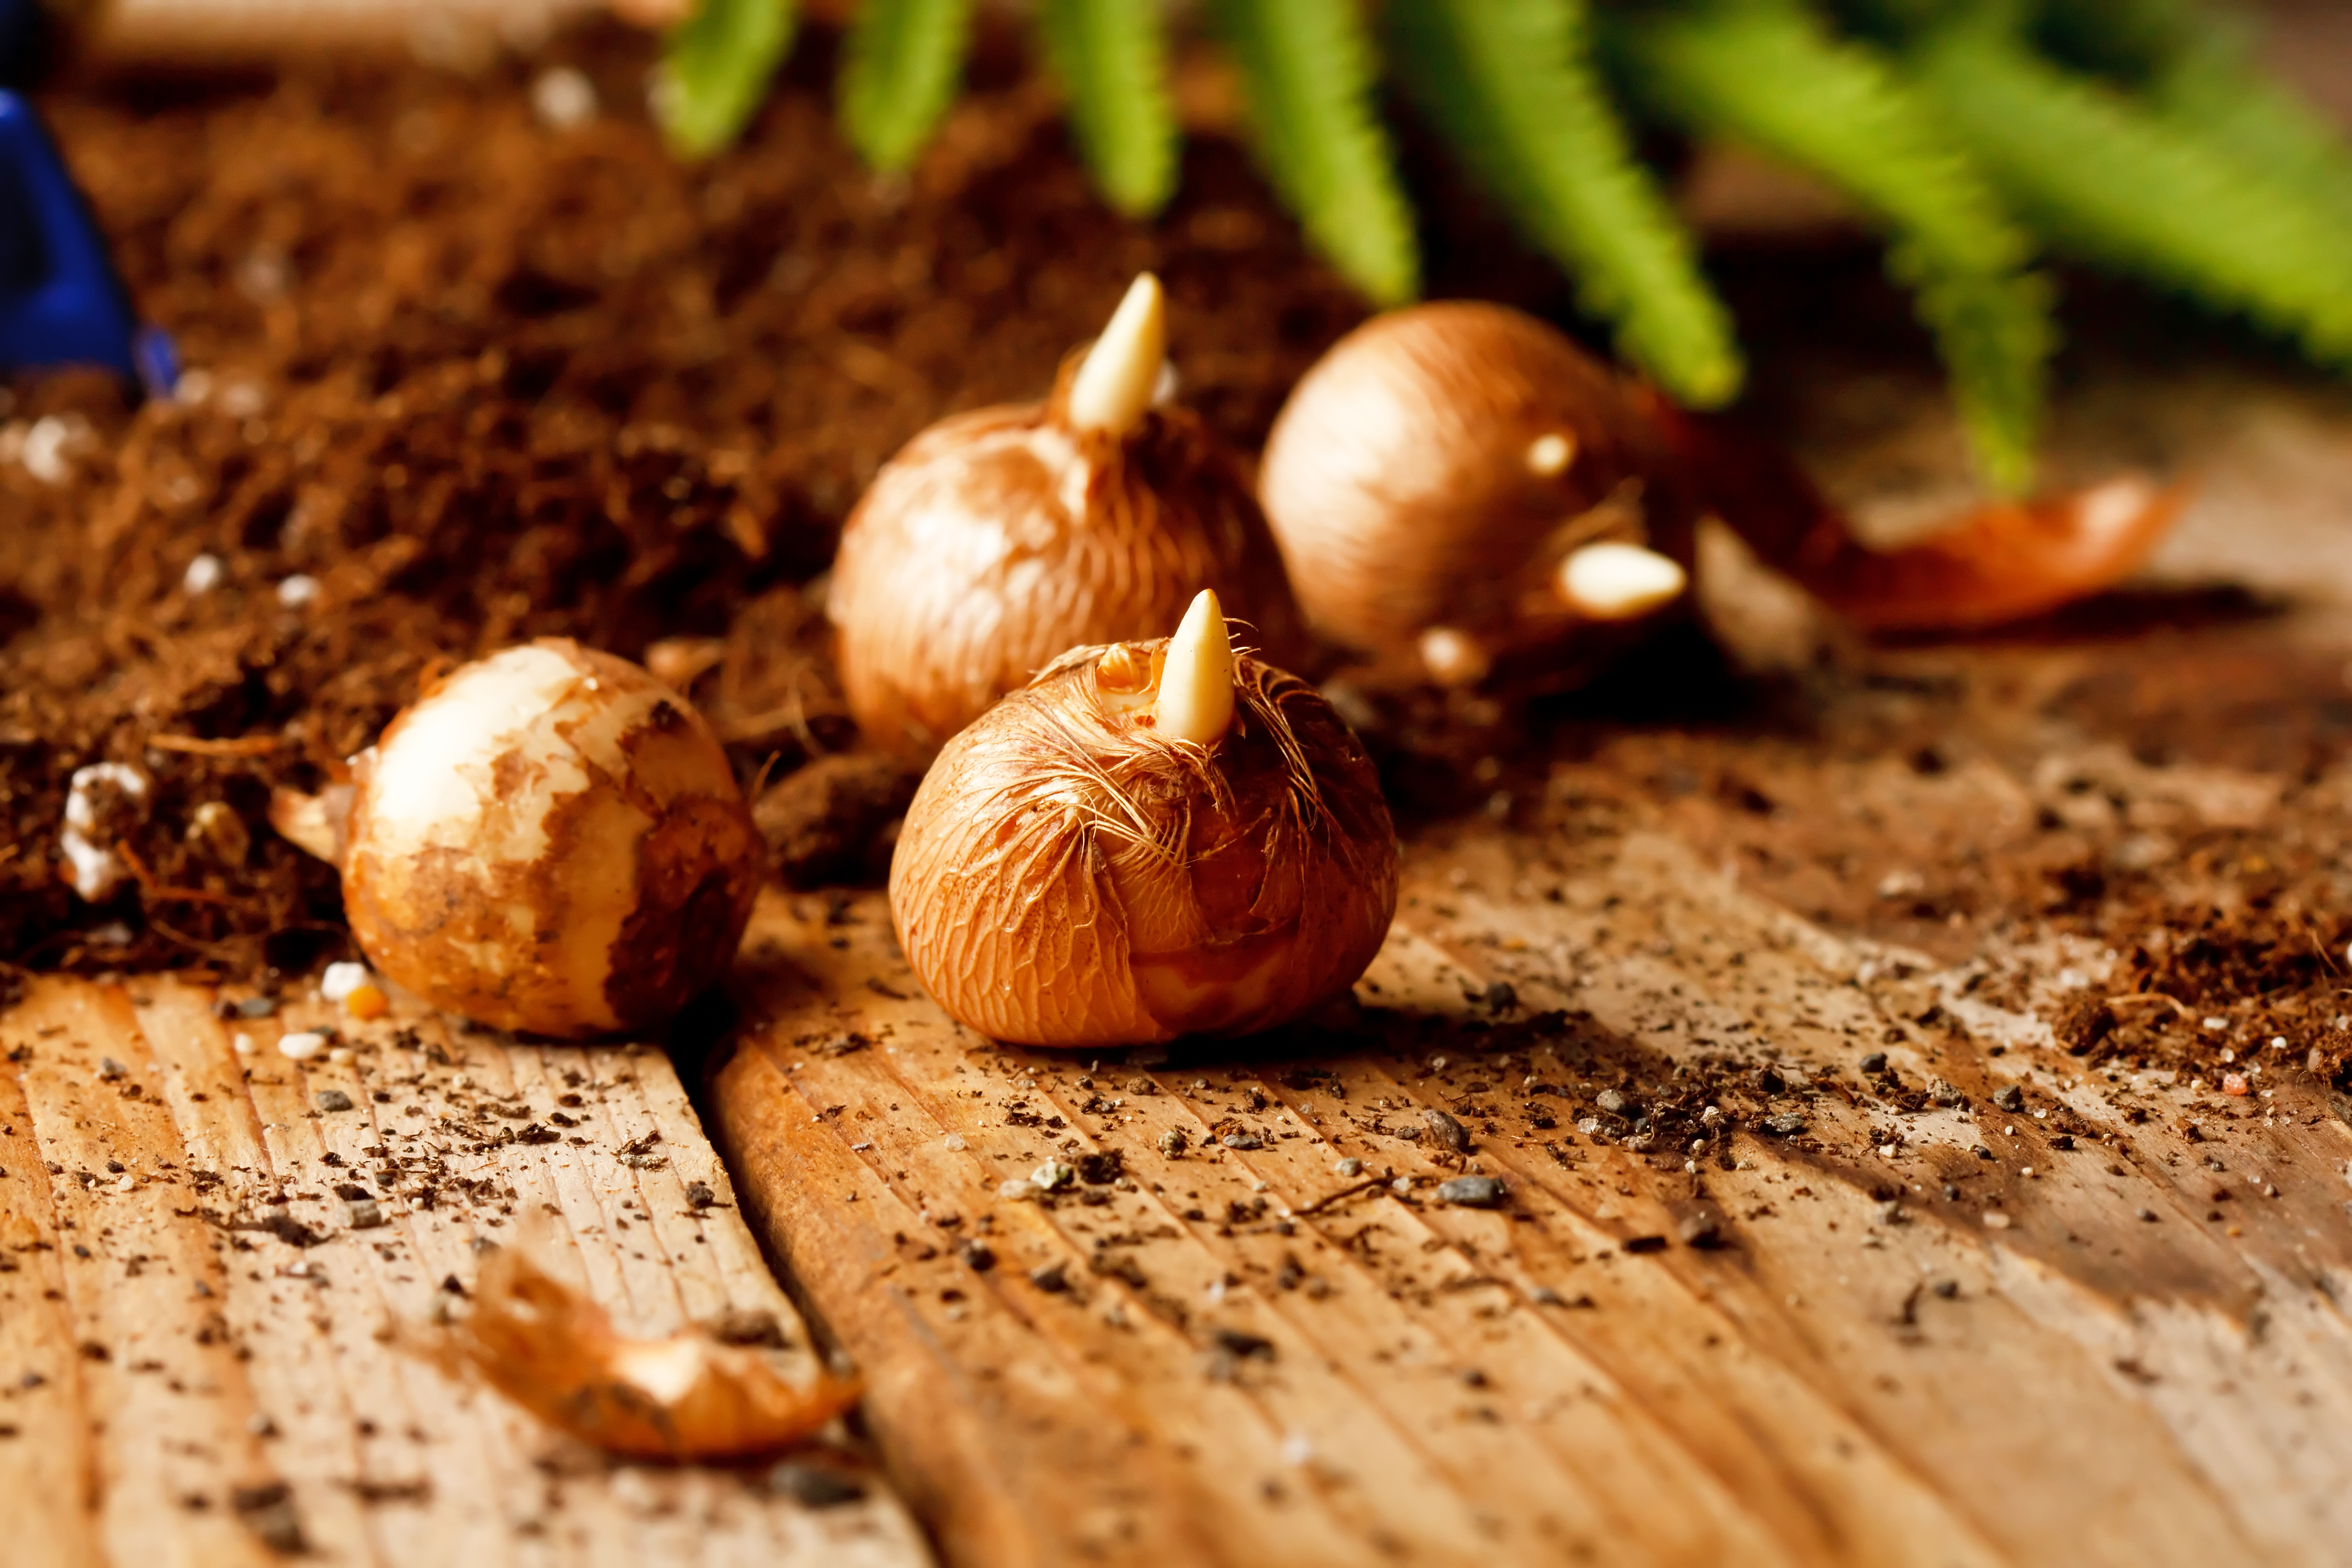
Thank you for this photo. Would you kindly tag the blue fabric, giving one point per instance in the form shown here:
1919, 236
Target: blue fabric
60, 303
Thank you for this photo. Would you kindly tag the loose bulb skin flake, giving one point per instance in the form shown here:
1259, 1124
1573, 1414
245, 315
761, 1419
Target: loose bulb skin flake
1070, 877
549, 840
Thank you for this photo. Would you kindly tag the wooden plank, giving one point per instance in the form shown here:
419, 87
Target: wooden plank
49, 1443
164, 1362
1846, 1382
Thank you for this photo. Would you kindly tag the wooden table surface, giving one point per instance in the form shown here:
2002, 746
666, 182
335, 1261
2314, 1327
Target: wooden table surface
1243, 1352
1233, 1348
1240, 1355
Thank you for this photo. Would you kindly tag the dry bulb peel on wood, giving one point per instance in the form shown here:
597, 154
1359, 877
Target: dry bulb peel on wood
997, 540
555, 1353
1150, 839
1999, 562
1457, 484
548, 840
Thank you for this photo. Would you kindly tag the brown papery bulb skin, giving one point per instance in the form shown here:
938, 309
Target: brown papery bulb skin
997, 540
549, 840
1069, 878
1434, 468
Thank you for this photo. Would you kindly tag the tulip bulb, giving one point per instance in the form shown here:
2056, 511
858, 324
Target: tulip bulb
996, 539
1150, 839
1457, 485
549, 840
1461, 491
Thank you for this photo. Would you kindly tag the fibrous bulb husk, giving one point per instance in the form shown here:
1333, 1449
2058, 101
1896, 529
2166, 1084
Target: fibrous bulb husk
996, 539
555, 1351
549, 840
1112, 856
1457, 484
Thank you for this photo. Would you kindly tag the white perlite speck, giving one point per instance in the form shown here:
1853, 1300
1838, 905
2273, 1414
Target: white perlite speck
44, 451
102, 801
341, 979
562, 98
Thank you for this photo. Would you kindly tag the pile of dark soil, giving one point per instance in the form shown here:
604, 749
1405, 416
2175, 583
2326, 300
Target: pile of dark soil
479, 378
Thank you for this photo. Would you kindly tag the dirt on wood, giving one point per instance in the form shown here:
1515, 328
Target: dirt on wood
240, 1278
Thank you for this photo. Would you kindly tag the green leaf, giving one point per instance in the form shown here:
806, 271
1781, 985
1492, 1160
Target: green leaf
1307, 73
1111, 57
904, 60
2199, 69
1766, 75
2123, 188
715, 70
1508, 84
2235, 109
1995, 332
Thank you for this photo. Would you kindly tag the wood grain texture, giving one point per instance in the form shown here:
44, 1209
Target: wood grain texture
1240, 1354
208, 1356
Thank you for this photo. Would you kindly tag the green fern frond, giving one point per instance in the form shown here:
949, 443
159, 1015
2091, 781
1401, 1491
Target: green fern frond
715, 70
1307, 72
1996, 334
1111, 57
2138, 135
2232, 107
1508, 84
2198, 69
1768, 76
903, 59
2124, 188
